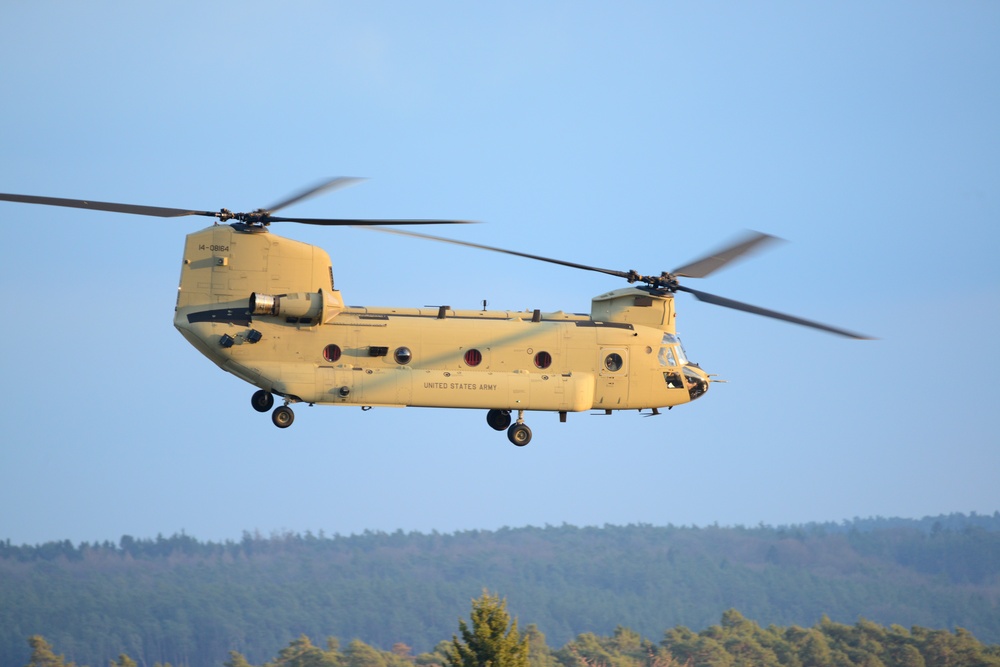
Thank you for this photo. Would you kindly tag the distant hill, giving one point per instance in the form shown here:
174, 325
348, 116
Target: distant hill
183, 601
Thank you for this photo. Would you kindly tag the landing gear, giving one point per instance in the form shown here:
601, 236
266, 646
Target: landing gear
519, 434
283, 416
498, 420
262, 401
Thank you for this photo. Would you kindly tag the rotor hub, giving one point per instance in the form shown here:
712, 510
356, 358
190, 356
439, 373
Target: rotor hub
665, 281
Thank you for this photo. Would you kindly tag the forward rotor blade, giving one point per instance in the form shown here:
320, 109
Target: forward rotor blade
156, 211
757, 310
574, 265
369, 224
724, 257
332, 184
712, 263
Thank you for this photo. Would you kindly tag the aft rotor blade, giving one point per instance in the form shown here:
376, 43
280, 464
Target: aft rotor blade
468, 244
715, 261
156, 211
757, 310
332, 184
343, 222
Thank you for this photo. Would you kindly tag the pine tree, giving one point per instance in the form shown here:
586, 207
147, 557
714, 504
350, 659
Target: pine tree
236, 659
539, 654
489, 642
123, 661
302, 653
360, 654
42, 654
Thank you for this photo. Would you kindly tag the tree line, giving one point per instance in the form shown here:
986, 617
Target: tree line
491, 641
183, 601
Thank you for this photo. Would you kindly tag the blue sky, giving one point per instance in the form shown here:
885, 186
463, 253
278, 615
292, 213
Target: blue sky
628, 135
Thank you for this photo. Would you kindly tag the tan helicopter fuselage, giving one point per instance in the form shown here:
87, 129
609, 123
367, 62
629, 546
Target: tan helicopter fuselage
264, 308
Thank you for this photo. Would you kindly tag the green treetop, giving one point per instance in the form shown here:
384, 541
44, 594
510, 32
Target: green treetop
42, 654
489, 642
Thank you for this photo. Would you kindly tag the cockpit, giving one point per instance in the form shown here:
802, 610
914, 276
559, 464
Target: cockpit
672, 352
678, 372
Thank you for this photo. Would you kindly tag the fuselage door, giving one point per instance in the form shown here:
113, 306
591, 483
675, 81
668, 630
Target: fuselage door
612, 385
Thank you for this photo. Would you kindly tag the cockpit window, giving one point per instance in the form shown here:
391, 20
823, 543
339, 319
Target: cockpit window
672, 341
673, 380
666, 356
681, 356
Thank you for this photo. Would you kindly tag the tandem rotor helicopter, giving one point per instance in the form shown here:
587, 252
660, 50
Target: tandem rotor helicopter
264, 308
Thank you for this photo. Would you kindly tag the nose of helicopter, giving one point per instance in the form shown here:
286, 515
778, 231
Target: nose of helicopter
696, 380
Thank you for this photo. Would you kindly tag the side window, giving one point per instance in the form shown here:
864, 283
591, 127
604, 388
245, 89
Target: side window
543, 360
473, 357
613, 362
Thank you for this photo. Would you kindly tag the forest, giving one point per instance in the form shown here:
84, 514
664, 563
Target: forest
734, 642
660, 590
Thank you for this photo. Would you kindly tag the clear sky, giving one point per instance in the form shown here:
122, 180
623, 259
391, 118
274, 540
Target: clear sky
630, 135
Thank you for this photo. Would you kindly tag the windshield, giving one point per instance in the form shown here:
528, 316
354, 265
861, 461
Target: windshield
672, 353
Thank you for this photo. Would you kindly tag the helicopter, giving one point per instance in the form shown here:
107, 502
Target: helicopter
264, 308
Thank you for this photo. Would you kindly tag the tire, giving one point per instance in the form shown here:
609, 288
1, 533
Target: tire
283, 416
262, 401
498, 420
519, 434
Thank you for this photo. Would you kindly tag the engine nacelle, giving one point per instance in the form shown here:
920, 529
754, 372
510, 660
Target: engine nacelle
300, 305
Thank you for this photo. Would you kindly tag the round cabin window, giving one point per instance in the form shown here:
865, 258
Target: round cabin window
473, 357
543, 360
331, 352
613, 362
402, 355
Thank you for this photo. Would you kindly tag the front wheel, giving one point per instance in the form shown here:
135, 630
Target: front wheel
519, 434
283, 416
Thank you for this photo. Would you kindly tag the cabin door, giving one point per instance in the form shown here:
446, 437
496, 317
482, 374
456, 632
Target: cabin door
612, 382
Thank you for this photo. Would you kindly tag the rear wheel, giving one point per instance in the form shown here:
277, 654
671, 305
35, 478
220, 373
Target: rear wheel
498, 420
283, 416
519, 434
262, 401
